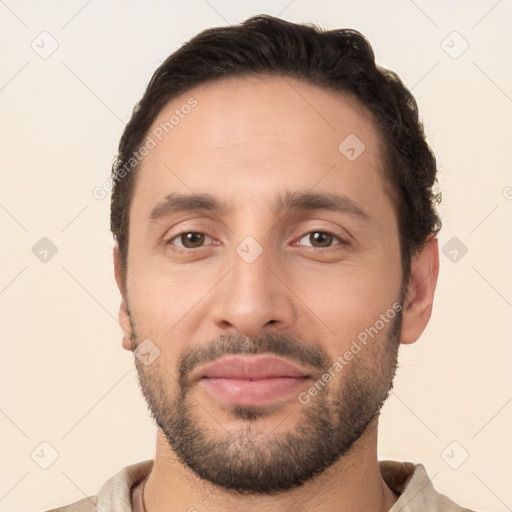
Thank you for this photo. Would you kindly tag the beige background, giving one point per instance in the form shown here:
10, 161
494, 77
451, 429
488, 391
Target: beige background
66, 380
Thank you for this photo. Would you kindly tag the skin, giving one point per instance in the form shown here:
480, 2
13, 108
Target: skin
246, 141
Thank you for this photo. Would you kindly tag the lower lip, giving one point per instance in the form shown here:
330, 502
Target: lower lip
252, 392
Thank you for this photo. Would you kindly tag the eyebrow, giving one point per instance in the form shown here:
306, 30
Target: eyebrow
185, 202
174, 203
319, 201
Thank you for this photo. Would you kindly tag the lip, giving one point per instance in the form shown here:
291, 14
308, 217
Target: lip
251, 379
254, 367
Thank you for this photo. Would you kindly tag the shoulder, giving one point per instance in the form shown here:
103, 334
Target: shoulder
85, 505
115, 494
411, 483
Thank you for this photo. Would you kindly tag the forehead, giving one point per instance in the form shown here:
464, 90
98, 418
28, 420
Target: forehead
258, 135
245, 112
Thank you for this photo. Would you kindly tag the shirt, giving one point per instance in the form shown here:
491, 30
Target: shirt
122, 492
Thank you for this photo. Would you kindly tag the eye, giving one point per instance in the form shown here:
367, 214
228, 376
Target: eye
319, 239
189, 240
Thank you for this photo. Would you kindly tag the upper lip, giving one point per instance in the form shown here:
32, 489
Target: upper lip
251, 367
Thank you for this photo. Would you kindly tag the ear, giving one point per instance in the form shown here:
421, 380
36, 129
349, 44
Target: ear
420, 291
124, 318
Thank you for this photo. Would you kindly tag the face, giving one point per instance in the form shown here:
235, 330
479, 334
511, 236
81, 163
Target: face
264, 265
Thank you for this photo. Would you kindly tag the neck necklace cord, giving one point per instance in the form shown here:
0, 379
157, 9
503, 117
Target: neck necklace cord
143, 501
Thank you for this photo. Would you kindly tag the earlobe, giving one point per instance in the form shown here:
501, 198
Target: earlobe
420, 292
124, 322
124, 315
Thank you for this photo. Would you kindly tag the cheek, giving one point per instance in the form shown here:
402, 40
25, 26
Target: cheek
348, 301
163, 303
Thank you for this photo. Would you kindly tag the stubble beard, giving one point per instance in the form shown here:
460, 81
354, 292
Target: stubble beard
245, 461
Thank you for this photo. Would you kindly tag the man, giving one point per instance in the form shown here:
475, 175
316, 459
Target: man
275, 227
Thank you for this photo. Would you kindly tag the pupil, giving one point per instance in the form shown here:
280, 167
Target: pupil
193, 239
322, 238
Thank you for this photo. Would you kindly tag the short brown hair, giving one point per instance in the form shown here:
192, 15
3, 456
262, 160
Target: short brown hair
340, 60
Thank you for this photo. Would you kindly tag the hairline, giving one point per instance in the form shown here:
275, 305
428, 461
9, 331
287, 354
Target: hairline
385, 149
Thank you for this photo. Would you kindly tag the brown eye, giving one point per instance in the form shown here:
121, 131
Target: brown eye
189, 240
319, 239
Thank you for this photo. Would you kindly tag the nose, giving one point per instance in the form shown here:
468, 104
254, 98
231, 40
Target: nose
253, 297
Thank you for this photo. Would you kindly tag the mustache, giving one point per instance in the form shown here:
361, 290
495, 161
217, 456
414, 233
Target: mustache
284, 346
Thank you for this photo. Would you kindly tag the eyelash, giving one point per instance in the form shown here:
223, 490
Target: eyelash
328, 233
323, 231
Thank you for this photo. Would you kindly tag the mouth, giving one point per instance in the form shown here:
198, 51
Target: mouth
251, 379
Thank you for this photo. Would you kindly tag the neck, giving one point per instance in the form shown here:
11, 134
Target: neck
352, 483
